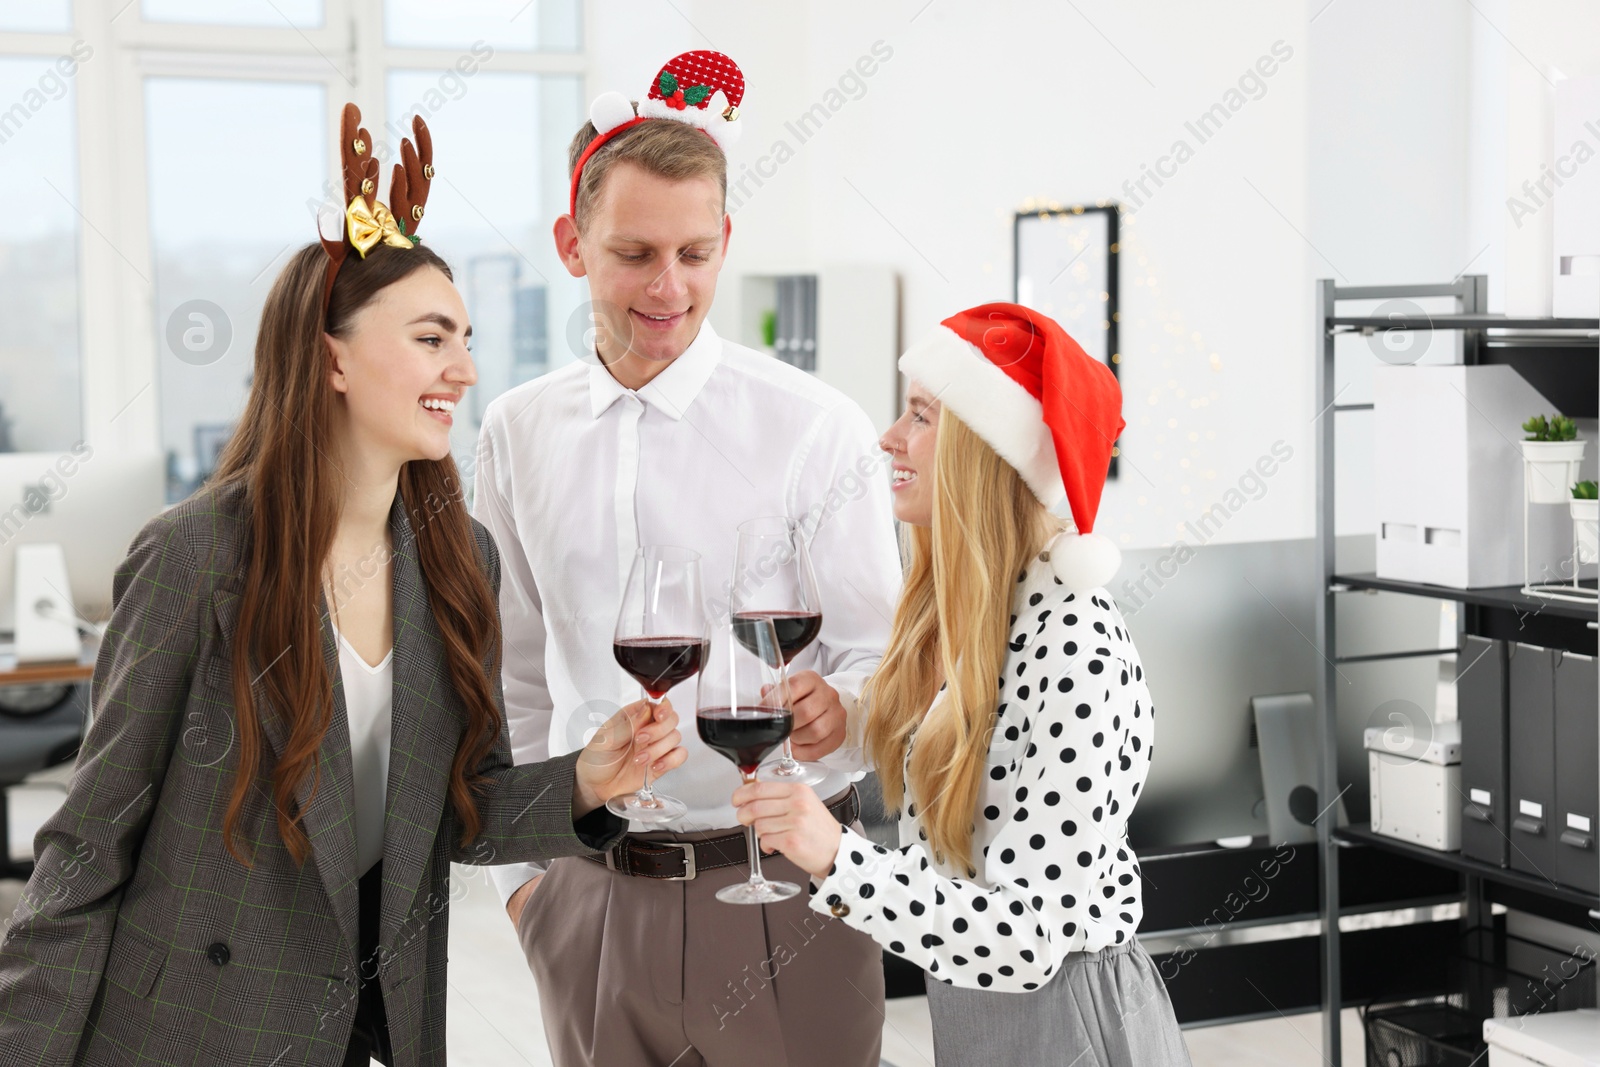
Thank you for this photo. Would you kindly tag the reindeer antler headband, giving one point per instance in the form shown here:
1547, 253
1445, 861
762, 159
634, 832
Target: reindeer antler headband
367, 221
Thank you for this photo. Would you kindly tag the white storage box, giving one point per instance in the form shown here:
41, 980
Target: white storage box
1548, 1039
1416, 785
1448, 477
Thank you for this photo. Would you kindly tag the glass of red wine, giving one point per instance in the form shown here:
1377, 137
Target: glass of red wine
773, 580
661, 641
741, 714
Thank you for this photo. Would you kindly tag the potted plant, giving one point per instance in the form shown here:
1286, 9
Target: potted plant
1585, 506
1552, 452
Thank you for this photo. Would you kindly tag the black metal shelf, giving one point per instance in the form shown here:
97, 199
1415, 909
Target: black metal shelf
1459, 321
1508, 597
1361, 834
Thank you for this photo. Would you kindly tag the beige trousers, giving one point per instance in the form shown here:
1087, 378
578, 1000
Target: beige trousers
638, 972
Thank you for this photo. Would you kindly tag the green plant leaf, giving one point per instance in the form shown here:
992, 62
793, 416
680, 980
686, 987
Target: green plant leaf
696, 93
1586, 490
668, 84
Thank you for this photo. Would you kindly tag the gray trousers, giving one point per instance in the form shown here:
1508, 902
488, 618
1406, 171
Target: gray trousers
1101, 1009
636, 972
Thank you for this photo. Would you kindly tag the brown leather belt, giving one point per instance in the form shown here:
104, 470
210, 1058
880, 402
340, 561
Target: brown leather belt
679, 861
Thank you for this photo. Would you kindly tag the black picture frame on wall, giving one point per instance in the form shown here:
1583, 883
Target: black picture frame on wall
1065, 262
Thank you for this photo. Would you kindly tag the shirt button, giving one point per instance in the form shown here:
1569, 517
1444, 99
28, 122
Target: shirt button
218, 954
840, 909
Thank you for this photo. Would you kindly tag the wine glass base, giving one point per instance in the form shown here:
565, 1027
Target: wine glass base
797, 772
660, 809
762, 892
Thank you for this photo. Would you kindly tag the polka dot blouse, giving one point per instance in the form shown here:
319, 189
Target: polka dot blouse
1070, 751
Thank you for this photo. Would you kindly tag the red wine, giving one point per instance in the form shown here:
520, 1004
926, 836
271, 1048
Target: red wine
659, 663
796, 630
746, 737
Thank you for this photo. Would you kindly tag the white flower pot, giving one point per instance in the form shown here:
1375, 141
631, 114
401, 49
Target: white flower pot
1551, 469
1586, 529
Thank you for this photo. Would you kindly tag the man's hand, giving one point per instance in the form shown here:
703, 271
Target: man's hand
613, 762
819, 716
520, 898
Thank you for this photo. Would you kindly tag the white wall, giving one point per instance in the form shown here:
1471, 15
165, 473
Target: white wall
1360, 158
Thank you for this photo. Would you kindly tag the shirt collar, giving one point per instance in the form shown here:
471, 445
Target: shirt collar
673, 390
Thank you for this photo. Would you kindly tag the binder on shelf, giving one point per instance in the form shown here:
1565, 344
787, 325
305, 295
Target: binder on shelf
1481, 708
1531, 693
1577, 744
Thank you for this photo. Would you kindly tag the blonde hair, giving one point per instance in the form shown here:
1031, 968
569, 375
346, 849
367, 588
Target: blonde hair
668, 149
954, 618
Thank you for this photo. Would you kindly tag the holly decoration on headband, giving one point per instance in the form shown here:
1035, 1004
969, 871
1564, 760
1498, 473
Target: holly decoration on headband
677, 98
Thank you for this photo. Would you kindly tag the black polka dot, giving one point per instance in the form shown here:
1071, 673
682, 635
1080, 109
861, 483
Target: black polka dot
1017, 908
1003, 929
917, 907
1084, 859
1095, 666
985, 979
930, 940
897, 947
1033, 601
1083, 711
959, 925
1007, 856
1068, 755
997, 773
1065, 685
981, 950
980, 904
1070, 648
1052, 798
991, 813
866, 890
1052, 872
1085, 784
1036, 842
1069, 828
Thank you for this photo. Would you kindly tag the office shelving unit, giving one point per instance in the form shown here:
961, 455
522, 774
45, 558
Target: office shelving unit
1558, 363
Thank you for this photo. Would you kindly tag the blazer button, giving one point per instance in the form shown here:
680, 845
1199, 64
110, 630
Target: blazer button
840, 909
218, 954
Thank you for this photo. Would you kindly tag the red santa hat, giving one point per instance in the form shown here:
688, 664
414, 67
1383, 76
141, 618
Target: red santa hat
682, 91
1044, 405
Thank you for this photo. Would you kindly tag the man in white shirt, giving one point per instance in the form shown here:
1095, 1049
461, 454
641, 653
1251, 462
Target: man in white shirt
675, 436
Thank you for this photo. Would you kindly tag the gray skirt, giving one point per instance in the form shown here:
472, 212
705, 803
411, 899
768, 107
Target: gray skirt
1101, 1009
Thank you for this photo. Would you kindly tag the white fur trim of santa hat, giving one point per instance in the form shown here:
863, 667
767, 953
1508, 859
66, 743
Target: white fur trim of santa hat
708, 118
1003, 413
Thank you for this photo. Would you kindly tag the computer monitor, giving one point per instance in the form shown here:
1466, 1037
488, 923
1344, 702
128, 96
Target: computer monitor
91, 502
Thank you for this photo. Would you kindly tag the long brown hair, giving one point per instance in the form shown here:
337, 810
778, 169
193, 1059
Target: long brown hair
293, 491
954, 618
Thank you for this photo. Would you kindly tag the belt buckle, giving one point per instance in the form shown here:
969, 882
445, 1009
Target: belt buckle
688, 860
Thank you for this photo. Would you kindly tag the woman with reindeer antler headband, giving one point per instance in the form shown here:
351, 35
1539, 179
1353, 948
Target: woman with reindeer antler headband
298, 721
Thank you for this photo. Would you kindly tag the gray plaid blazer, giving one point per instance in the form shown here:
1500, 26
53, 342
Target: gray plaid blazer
141, 940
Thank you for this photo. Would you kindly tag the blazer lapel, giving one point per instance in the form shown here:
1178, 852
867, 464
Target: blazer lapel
425, 729
328, 817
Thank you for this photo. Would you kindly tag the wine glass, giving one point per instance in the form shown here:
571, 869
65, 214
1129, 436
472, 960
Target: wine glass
740, 713
660, 640
773, 580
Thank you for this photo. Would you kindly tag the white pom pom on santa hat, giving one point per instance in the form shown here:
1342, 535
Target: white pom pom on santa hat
609, 111
1084, 561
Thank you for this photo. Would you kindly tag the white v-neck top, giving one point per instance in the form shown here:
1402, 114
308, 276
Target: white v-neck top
368, 704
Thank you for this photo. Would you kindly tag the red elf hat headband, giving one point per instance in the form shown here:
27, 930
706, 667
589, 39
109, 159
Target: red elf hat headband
682, 92
1044, 405
367, 221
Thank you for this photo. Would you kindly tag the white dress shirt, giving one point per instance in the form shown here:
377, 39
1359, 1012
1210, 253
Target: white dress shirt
575, 473
369, 707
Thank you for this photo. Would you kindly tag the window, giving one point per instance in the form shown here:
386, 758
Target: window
41, 378
152, 202
232, 164
500, 140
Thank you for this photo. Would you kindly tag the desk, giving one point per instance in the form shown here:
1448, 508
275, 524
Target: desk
63, 673
31, 739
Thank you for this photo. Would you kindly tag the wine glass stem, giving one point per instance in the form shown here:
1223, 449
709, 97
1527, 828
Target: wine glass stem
750, 841
647, 796
786, 759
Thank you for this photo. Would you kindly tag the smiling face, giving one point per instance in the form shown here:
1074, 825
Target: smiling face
401, 366
911, 441
651, 249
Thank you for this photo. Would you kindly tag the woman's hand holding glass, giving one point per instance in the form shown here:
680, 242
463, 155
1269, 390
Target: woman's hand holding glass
614, 763
790, 819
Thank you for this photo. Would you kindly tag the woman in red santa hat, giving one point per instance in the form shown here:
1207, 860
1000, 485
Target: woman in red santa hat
1009, 722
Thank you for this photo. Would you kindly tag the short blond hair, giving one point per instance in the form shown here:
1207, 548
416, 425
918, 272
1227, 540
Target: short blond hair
672, 150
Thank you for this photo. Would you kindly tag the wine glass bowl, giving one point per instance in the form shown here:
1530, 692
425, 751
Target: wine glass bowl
774, 581
740, 715
660, 642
